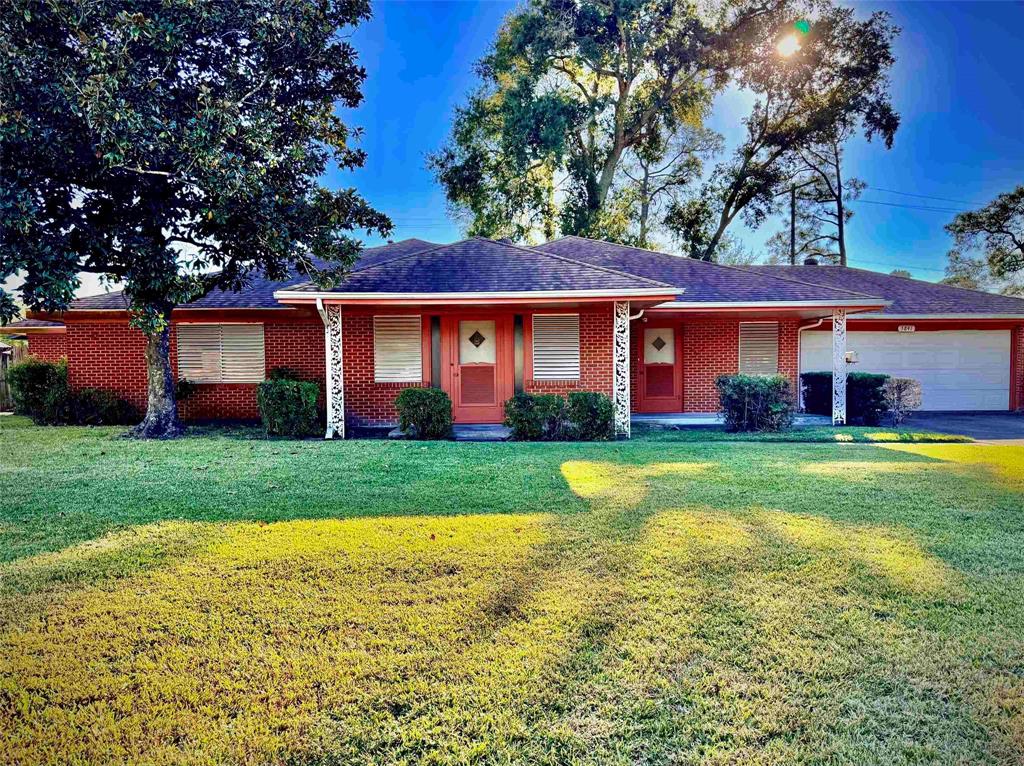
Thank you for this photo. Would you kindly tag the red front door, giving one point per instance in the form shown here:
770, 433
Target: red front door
660, 368
478, 366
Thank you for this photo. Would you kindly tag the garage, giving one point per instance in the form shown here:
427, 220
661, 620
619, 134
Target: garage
958, 369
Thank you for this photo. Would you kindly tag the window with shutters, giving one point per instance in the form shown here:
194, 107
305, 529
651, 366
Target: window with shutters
221, 353
556, 346
397, 349
759, 348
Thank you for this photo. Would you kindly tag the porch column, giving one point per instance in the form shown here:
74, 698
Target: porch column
620, 370
838, 367
335, 390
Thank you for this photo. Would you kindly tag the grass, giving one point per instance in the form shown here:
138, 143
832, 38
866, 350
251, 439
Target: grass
804, 435
227, 599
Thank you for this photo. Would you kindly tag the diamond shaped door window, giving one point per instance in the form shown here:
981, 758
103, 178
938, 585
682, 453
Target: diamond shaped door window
658, 343
476, 339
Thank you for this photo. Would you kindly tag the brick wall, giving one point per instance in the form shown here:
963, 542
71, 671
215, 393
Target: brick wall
710, 349
596, 357
111, 355
50, 346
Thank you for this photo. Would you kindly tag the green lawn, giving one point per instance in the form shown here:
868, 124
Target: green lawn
227, 599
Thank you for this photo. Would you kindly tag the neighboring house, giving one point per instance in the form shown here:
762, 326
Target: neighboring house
483, 319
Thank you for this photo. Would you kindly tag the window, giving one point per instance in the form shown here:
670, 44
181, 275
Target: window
759, 348
221, 353
556, 346
397, 349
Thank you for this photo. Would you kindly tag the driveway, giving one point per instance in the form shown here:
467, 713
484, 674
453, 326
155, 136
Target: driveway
1002, 427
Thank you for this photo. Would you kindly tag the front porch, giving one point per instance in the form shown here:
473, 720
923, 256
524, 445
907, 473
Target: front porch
697, 420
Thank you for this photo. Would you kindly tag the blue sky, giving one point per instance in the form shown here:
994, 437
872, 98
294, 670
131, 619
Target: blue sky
958, 84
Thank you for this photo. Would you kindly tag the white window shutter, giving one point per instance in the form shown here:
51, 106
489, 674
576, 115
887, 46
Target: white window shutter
398, 349
556, 346
221, 353
242, 358
199, 352
759, 348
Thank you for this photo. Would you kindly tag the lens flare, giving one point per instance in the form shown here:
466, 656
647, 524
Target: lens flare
788, 45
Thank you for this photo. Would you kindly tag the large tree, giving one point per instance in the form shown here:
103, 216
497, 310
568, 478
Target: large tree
174, 146
996, 232
569, 89
837, 76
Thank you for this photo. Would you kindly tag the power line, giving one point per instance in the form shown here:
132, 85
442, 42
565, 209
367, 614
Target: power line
925, 196
908, 207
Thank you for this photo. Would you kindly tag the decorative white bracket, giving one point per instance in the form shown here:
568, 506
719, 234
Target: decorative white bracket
838, 367
335, 393
620, 370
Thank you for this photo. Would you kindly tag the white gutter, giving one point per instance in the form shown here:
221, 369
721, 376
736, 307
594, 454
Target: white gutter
768, 304
923, 317
799, 370
299, 295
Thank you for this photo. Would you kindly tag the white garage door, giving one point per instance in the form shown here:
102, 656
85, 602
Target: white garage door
958, 370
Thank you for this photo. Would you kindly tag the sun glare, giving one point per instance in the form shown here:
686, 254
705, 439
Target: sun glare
788, 45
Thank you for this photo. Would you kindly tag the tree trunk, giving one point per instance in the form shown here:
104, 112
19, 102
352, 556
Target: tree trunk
161, 421
840, 212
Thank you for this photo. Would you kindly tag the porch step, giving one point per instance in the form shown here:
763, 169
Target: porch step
481, 433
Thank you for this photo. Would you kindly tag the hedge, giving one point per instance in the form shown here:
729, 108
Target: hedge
424, 413
288, 407
865, 396
755, 402
586, 416
40, 390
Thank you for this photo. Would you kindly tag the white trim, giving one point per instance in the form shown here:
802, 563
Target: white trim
768, 304
326, 296
924, 317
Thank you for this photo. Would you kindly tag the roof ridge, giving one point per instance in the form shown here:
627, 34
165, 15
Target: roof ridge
560, 257
973, 290
745, 269
432, 246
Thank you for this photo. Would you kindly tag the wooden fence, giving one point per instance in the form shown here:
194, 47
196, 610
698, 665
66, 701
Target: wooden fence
8, 357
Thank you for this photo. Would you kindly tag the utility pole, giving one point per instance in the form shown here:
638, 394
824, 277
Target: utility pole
792, 225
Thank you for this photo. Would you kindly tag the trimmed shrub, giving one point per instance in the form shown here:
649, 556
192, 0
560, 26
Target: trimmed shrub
902, 396
865, 396
755, 402
537, 417
591, 415
40, 390
288, 407
424, 413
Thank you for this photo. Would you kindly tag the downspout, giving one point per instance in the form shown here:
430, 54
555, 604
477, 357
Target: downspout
799, 345
637, 316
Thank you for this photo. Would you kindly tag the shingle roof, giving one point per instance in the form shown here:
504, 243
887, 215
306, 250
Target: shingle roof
703, 282
908, 296
481, 265
260, 291
24, 324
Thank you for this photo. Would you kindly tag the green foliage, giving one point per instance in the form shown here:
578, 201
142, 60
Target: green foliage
133, 131
98, 407
33, 382
41, 391
537, 417
865, 396
997, 230
592, 416
836, 84
284, 373
755, 402
288, 407
424, 413
185, 389
587, 416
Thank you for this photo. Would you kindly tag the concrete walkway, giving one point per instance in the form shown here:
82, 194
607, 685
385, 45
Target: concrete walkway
989, 427
680, 420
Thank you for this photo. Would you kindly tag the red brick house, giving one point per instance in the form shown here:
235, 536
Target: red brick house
483, 319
